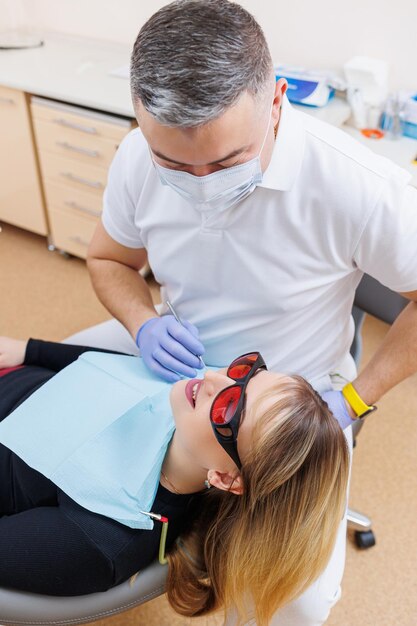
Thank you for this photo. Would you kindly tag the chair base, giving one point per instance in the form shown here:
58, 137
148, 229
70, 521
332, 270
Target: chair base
358, 521
361, 525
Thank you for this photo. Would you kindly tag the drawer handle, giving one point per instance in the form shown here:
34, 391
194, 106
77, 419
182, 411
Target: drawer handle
68, 146
85, 129
78, 239
83, 181
7, 100
74, 205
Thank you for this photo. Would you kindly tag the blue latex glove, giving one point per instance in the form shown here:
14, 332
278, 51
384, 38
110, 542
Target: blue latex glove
169, 348
337, 405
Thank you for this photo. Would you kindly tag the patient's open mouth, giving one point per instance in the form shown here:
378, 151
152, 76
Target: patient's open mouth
191, 390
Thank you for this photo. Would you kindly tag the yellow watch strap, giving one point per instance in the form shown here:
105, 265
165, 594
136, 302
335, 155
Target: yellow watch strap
358, 405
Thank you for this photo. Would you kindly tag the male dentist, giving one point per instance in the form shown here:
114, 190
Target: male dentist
257, 220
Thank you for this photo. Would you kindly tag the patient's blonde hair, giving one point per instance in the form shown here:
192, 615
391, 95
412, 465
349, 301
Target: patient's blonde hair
272, 542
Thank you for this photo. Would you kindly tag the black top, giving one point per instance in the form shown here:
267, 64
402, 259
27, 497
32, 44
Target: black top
42, 361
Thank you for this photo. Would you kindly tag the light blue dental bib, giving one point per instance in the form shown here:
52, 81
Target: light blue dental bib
99, 429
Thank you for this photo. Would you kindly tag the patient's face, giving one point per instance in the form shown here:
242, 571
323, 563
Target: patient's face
192, 415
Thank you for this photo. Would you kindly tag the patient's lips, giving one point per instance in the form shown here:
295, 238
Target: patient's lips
191, 390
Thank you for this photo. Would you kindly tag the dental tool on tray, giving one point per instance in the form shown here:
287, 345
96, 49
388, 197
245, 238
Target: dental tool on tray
171, 308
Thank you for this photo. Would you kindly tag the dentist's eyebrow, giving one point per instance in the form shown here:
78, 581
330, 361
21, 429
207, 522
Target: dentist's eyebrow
226, 158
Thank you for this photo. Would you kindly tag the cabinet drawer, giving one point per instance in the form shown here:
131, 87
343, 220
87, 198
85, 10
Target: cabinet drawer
65, 142
80, 121
71, 232
73, 174
73, 201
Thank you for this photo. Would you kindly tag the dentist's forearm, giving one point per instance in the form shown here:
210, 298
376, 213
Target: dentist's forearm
394, 361
123, 292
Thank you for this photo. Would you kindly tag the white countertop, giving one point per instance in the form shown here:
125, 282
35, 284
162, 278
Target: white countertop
76, 70
71, 69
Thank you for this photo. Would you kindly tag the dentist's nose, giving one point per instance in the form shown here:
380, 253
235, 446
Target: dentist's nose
202, 170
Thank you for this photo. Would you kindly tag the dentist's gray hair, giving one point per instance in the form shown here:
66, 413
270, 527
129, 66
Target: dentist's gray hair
193, 59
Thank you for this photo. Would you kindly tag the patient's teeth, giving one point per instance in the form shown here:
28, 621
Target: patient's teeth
194, 392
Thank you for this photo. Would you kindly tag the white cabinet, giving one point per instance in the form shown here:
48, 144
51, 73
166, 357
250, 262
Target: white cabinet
21, 201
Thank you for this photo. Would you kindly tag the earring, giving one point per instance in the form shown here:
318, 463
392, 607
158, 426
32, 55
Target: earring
207, 484
275, 131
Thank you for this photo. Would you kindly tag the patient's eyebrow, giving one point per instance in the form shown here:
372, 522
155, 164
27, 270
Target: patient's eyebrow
243, 414
226, 158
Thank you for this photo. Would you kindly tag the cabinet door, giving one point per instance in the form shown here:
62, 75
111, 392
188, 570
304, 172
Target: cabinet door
21, 201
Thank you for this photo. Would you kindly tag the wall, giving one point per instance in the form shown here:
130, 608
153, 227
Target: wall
321, 34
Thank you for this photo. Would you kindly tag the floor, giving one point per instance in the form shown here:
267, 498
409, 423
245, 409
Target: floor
46, 296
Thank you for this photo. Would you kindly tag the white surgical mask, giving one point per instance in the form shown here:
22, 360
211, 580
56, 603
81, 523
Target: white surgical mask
217, 191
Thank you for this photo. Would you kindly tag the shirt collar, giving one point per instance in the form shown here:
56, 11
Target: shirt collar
288, 151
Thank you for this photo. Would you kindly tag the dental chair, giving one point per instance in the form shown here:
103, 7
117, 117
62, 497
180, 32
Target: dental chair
22, 608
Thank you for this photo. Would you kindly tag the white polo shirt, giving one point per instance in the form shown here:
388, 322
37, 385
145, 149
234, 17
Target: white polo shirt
277, 272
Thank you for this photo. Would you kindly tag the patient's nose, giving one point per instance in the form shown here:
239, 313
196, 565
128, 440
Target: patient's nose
215, 381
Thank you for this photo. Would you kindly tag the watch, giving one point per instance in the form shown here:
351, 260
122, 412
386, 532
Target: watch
359, 407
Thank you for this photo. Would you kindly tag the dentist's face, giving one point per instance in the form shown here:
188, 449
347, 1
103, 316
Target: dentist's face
233, 138
192, 415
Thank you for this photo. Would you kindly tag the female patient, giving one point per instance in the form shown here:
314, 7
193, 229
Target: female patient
278, 464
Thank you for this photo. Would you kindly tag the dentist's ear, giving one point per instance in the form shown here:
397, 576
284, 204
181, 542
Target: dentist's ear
226, 481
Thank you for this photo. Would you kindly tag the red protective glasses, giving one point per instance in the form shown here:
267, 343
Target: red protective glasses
228, 405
